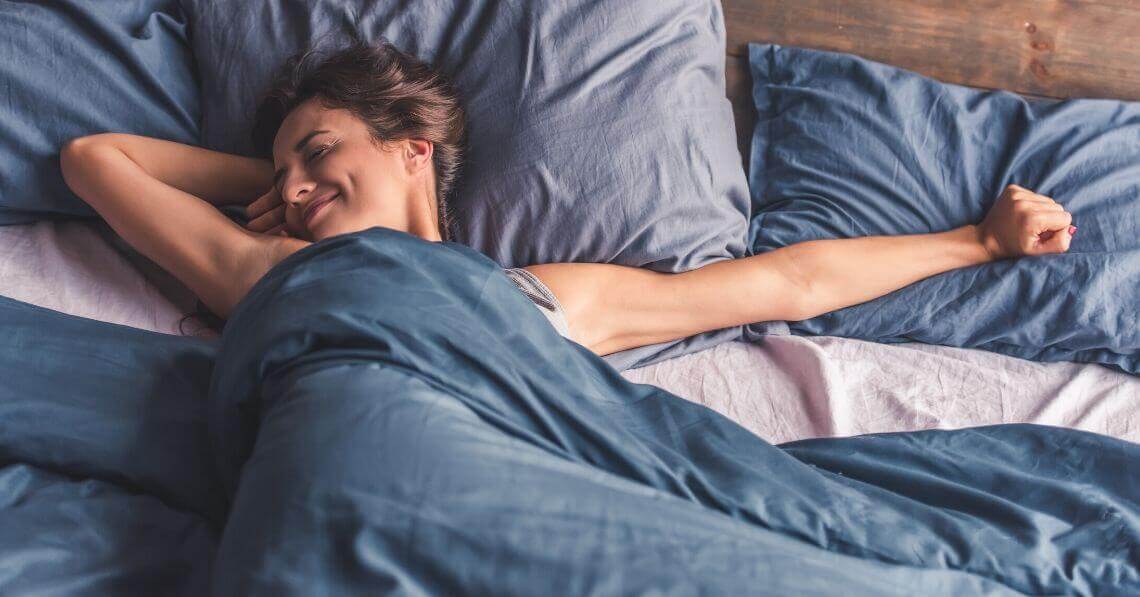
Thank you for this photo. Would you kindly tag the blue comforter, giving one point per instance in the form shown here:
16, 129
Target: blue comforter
385, 413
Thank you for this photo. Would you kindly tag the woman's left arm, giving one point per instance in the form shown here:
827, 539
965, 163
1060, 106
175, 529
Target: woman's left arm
611, 308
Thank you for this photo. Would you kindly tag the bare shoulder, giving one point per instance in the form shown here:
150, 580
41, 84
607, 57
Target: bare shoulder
599, 299
613, 307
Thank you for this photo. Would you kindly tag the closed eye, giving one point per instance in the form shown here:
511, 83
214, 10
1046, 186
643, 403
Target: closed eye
319, 151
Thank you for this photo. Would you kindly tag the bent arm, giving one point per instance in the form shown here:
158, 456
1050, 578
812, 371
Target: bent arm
216, 177
611, 308
214, 257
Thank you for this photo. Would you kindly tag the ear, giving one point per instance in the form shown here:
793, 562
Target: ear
417, 154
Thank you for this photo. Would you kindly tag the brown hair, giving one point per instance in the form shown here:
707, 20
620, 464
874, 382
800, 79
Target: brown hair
397, 95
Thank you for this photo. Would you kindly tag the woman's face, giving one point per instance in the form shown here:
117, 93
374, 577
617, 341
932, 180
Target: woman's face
334, 179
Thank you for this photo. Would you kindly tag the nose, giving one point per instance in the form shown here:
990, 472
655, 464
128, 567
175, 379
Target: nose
294, 189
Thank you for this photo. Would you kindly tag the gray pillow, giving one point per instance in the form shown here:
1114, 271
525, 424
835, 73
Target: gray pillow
72, 68
599, 131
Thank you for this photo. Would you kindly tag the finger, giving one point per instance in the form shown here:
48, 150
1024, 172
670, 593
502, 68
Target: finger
262, 204
256, 207
1047, 207
276, 229
1031, 197
1052, 221
1059, 242
272, 218
1019, 193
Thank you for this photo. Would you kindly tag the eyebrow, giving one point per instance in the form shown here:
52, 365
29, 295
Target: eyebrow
296, 149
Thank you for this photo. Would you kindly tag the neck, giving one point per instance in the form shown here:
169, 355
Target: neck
425, 230
423, 219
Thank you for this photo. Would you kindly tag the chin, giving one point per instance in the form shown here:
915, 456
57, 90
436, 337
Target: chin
329, 230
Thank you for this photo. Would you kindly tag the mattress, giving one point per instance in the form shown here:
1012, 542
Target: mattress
783, 388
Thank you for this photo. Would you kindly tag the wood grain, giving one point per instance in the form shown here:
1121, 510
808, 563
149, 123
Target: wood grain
1051, 48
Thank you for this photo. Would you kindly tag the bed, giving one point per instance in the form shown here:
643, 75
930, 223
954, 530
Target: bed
832, 386
782, 388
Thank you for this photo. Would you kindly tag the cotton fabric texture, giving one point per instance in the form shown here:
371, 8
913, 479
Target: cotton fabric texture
846, 147
599, 131
71, 68
387, 412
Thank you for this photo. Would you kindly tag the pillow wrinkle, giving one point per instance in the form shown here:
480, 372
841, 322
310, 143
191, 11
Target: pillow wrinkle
588, 122
890, 174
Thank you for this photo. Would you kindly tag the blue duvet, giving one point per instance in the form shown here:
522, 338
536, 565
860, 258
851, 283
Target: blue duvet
388, 414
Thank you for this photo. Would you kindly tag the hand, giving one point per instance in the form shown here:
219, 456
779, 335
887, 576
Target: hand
1022, 222
267, 214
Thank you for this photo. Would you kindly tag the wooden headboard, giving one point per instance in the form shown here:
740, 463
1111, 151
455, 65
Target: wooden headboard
1049, 48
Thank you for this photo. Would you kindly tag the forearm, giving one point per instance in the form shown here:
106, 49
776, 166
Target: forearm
838, 273
216, 177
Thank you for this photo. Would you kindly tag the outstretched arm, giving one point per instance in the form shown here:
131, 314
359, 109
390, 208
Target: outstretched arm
611, 308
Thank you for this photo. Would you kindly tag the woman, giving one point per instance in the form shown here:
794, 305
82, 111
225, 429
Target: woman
370, 136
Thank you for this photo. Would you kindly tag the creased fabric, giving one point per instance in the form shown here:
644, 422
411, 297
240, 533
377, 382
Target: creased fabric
475, 450
846, 147
70, 68
384, 413
598, 131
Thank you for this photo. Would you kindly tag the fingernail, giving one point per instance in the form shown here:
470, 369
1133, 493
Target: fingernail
1072, 230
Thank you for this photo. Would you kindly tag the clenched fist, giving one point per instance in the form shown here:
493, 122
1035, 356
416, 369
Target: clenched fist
1022, 222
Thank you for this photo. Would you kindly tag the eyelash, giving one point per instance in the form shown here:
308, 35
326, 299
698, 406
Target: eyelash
320, 151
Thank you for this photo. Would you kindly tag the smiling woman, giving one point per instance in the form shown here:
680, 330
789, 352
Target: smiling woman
334, 177
374, 127
369, 136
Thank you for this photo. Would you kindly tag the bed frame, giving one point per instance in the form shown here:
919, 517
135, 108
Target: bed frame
1044, 48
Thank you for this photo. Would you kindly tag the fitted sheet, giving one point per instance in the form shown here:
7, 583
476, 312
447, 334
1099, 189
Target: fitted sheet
783, 388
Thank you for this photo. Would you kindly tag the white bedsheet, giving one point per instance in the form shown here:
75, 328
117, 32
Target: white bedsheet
784, 388
795, 387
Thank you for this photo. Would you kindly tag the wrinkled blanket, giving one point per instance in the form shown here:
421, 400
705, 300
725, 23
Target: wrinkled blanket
386, 413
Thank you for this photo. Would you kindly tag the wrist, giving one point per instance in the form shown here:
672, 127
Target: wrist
988, 244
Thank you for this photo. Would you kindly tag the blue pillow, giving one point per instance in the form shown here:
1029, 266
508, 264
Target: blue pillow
599, 131
74, 68
846, 147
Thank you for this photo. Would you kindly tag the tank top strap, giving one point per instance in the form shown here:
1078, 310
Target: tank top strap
541, 296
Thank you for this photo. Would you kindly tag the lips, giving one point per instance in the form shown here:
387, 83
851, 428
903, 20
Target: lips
311, 209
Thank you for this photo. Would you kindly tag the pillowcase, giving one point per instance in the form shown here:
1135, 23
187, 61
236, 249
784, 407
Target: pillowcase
599, 131
72, 68
846, 147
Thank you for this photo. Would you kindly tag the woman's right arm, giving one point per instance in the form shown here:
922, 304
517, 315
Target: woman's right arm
215, 177
214, 257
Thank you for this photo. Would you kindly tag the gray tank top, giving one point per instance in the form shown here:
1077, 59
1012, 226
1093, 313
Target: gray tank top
541, 296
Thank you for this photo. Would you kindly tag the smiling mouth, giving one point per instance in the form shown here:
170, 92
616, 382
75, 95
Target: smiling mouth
312, 210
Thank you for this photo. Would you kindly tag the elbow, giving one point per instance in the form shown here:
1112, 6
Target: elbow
78, 146
806, 303
71, 156
70, 159
78, 151
797, 285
